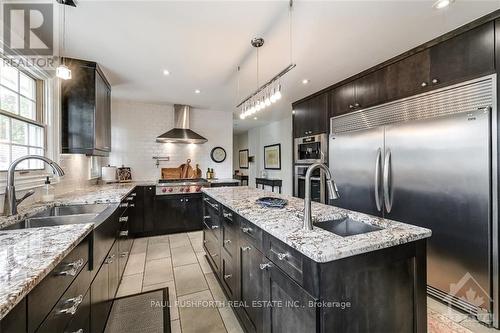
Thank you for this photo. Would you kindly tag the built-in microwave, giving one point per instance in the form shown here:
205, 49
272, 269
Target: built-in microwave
311, 149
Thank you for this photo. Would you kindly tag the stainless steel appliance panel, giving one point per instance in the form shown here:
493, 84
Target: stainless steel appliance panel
311, 149
437, 175
356, 159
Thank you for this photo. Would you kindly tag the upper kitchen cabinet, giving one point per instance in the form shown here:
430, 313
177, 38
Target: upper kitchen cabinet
408, 76
342, 99
86, 110
311, 116
371, 89
468, 55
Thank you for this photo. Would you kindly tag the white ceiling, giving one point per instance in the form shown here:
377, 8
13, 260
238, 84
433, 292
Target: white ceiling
202, 42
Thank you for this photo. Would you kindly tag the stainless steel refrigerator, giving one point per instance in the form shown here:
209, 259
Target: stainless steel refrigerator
430, 160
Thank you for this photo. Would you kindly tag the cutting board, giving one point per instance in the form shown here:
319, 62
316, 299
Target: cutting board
171, 173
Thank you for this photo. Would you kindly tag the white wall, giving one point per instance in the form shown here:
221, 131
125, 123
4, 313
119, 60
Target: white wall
135, 127
256, 138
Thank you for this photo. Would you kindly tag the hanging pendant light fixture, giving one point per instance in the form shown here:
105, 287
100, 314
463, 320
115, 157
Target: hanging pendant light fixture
270, 92
62, 71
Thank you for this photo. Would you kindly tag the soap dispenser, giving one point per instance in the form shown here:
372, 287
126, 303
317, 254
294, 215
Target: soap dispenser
48, 191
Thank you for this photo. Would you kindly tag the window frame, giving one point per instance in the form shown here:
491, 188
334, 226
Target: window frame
40, 115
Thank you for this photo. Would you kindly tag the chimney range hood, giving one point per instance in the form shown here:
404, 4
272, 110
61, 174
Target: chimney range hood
181, 132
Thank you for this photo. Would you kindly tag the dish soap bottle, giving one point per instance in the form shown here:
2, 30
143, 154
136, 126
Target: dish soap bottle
48, 191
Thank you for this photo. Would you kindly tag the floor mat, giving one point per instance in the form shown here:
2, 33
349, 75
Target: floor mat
438, 323
147, 312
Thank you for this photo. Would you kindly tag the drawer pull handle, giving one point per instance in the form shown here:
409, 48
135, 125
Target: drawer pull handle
123, 254
215, 227
215, 255
265, 266
132, 205
130, 198
72, 309
78, 331
73, 268
246, 230
206, 217
124, 233
227, 241
246, 248
109, 259
123, 205
133, 194
123, 219
283, 256
228, 215
228, 276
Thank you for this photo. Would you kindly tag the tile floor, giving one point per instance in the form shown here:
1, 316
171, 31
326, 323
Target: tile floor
178, 262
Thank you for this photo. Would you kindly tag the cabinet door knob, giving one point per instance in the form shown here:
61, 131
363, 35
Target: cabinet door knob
351, 106
227, 241
424, 84
75, 302
228, 276
265, 266
246, 230
215, 227
246, 248
434, 81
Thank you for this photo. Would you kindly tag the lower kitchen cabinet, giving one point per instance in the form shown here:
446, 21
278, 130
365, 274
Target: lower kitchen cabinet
15, 320
101, 304
113, 270
177, 213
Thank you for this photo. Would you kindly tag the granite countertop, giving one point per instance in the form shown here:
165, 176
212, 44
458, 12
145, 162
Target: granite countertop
318, 244
28, 255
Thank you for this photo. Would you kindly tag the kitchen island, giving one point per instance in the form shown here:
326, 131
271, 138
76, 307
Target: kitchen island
295, 280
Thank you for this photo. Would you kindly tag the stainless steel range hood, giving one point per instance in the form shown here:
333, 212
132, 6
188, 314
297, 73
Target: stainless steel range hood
181, 132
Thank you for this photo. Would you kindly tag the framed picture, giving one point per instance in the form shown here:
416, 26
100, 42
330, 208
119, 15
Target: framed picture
244, 159
272, 157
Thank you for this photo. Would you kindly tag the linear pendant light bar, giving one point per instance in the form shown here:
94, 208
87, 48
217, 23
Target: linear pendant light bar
267, 84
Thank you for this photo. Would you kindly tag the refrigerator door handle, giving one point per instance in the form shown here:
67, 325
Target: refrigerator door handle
378, 163
387, 181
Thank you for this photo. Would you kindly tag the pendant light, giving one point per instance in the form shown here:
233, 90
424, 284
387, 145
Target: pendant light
62, 71
270, 92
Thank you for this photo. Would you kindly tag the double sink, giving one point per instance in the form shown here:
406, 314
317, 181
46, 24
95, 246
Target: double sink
61, 215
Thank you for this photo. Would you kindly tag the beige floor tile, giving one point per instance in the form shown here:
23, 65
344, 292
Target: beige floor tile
157, 251
183, 256
172, 296
230, 321
197, 244
445, 310
189, 279
135, 264
476, 327
195, 234
163, 239
190, 315
158, 271
131, 284
215, 287
140, 245
179, 240
202, 260
175, 326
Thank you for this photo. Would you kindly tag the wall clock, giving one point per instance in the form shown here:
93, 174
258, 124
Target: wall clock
218, 154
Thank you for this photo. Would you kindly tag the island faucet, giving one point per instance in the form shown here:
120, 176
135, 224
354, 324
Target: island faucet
333, 192
10, 202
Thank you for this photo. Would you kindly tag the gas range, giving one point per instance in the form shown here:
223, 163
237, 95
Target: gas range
180, 186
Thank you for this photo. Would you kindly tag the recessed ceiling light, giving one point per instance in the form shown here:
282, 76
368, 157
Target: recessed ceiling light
440, 4
166, 72
197, 91
305, 81
255, 118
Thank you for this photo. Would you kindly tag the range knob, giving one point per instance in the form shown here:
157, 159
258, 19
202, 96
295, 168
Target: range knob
198, 188
187, 189
170, 189
181, 189
164, 190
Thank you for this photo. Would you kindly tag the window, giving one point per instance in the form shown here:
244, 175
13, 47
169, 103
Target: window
21, 129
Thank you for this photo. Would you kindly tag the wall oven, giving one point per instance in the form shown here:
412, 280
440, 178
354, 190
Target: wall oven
311, 149
317, 183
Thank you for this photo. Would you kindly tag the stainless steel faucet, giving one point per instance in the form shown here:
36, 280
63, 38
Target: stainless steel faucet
333, 192
10, 202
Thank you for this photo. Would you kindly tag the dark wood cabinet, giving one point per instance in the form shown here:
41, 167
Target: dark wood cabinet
342, 99
177, 213
298, 312
408, 76
15, 320
466, 56
137, 224
371, 89
113, 270
86, 110
101, 304
311, 116
251, 290
148, 209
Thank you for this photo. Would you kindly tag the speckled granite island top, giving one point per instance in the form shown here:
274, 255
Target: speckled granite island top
318, 244
28, 255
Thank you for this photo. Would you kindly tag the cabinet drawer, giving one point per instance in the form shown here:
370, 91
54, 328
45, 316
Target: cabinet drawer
75, 302
285, 257
212, 248
252, 233
230, 242
212, 204
46, 294
228, 276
